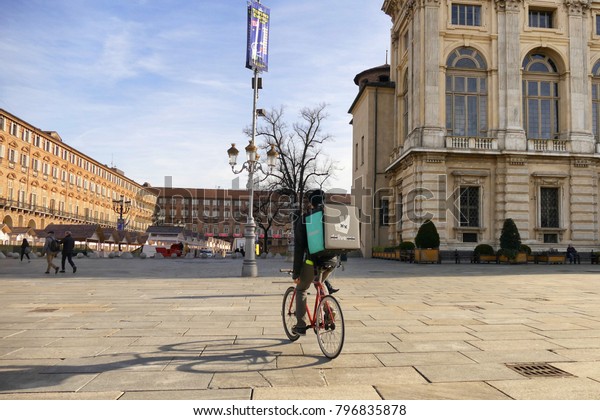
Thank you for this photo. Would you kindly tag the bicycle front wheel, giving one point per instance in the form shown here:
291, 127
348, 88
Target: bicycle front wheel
329, 326
288, 313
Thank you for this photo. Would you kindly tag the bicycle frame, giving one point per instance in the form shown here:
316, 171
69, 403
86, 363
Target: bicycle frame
326, 319
318, 284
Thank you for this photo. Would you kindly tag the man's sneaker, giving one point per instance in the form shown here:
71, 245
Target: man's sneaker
74, 270
61, 271
298, 330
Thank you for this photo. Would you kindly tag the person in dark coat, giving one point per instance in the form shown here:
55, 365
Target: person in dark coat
68, 244
25, 250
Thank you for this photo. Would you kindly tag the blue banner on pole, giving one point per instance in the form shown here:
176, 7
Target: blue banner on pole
257, 51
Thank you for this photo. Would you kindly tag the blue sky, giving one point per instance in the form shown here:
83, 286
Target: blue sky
160, 88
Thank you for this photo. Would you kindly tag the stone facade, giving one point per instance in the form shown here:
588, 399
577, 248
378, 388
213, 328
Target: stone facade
44, 180
497, 115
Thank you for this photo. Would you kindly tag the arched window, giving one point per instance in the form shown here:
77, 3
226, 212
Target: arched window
466, 94
540, 97
596, 101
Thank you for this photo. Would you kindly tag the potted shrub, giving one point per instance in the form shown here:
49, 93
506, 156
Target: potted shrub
528, 254
377, 252
484, 253
552, 256
427, 243
406, 251
510, 244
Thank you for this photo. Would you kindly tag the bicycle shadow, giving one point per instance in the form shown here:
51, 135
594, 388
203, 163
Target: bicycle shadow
199, 357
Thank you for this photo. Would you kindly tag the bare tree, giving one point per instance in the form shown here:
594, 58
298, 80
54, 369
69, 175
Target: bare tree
302, 163
270, 209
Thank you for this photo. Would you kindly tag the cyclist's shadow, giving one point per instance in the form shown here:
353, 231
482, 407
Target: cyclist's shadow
232, 358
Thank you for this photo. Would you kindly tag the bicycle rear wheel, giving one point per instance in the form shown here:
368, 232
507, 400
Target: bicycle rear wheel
329, 326
288, 313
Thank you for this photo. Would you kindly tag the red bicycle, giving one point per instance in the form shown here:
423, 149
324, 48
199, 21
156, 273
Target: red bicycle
327, 322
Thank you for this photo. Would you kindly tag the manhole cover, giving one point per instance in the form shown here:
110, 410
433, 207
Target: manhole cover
44, 310
537, 370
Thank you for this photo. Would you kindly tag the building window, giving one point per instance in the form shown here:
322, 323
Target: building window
470, 237
596, 99
540, 97
540, 18
466, 14
362, 150
466, 94
469, 206
549, 207
597, 24
12, 155
384, 212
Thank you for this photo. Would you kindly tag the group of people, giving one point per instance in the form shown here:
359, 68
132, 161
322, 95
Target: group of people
52, 247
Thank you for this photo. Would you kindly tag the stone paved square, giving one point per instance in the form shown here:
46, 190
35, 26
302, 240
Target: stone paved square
195, 329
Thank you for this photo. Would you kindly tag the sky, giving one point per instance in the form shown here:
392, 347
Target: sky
159, 88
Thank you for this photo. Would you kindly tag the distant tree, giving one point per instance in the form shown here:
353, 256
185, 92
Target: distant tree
269, 211
302, 164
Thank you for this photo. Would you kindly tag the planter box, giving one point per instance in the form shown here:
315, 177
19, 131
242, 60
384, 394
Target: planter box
521, 258
552, 259
427, 255
487, 258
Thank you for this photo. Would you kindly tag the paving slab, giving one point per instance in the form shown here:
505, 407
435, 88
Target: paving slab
335, 392
550, 389
442, 391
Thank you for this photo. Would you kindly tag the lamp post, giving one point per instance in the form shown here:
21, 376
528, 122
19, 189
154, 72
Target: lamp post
252, 165
121, 206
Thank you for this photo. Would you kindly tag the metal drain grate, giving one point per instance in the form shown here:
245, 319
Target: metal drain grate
537, 370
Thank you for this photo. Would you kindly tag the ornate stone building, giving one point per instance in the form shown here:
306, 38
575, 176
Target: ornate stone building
496, 115
44, 180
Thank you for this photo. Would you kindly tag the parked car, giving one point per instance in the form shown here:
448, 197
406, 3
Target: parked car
206, 253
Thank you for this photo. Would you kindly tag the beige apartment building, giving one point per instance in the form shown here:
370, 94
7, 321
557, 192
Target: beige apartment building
45, 181
495, 114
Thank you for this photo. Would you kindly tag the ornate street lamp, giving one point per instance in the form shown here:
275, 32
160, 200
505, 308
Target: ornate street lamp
121, 206
256, 60
252, 165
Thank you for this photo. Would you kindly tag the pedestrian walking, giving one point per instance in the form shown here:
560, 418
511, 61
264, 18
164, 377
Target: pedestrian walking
51, 249
68, 244
25, 250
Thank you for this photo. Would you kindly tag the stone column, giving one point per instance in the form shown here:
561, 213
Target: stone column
580, 135
433, 128
511, 135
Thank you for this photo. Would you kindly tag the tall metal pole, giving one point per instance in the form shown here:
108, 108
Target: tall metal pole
249, 268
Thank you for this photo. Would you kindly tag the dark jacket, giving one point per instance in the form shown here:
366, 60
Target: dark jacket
68, 244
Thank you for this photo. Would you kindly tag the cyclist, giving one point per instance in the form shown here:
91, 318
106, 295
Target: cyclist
305, 267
